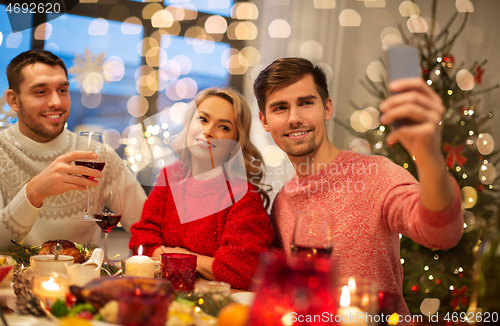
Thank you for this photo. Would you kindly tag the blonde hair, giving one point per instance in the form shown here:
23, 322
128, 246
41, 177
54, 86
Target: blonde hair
254, 164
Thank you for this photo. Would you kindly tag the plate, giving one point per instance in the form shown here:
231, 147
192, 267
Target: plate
245, 298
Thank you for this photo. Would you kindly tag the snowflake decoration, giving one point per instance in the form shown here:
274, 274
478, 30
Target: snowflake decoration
88, 71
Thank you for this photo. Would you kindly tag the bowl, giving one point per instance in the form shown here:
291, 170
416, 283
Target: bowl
7, 264
46, 264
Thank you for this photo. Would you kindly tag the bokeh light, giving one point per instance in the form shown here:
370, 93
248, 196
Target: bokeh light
177, 112
485, 143
149, 10
137, 106
409, 8
311, 50
374, 114
487, 173
184, 63
474, 34
177, 11
465, 80
42, 31
279, 28
216, 24
464, 6
360, 146
131, 26
98, 27
186, 88
469, 197
162, 18
113, 69
376, 71
242, 31
417, 24
349, 18
14, 40
327, 69
361, 120
1, 38
251, 54
112, 138
91, 100
93, 82
324, 4
375, 3
244, 11
273, 156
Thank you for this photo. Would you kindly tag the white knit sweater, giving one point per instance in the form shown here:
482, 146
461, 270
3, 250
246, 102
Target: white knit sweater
22, 158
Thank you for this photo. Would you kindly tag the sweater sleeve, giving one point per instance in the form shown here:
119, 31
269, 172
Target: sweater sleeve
247, 234
405, 214
17, 218
148, 231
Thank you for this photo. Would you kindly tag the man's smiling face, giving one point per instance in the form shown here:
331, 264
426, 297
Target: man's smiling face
43, 102
295, 116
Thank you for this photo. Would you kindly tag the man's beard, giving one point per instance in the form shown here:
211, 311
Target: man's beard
301, 149
37, 127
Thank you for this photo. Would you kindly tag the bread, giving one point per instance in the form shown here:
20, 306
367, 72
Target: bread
68, 248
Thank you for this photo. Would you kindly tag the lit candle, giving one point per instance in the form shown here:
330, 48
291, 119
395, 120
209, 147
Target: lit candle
50, 288
350, 315
140, 265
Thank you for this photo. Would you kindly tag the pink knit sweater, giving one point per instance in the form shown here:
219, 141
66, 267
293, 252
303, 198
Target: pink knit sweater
372, 200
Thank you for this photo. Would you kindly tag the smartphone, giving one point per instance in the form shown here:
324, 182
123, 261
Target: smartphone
403, 61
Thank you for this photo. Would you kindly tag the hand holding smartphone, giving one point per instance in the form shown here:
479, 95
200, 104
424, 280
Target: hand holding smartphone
403, 61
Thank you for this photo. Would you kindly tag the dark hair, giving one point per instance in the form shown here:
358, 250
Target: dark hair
15, 67
286, 70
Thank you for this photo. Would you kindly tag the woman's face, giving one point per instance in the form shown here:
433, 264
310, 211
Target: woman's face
212, 131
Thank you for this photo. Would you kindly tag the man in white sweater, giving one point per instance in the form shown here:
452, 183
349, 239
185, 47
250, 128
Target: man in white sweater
42, 192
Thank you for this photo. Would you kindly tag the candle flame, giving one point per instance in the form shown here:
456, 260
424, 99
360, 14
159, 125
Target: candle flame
51, 285
345, 297
139, 252
351, 282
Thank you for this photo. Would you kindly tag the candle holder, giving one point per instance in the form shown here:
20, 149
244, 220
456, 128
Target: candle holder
50, 287
141, 308
180, 269
358, 302
292, 289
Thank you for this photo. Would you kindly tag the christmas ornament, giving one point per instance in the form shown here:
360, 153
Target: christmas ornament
485, 144
487, 173
454, 155
478, 74
459, 297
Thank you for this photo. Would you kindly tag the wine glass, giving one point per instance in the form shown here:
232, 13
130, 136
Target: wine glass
313, 233
91, 141
107, 211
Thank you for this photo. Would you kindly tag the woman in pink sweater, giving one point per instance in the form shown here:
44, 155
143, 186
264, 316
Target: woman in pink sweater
210, 202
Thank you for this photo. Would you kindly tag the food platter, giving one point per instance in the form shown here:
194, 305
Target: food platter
17, 320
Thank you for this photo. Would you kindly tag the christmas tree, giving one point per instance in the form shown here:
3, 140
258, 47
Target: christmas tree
470, 157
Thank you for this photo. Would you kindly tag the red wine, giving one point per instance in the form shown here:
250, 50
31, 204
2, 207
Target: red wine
107, 221
312, 252
93, 165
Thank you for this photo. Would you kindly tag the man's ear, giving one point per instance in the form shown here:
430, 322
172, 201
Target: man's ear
13, 100
263, 122
328, 109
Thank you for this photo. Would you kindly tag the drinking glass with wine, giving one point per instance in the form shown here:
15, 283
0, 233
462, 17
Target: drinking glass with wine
313, 234
91, 141
107, 211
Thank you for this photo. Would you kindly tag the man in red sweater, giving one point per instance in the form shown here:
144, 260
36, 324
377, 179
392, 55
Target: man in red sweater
371, 199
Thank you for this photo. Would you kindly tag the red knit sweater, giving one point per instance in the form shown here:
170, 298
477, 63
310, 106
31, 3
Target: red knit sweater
235, 235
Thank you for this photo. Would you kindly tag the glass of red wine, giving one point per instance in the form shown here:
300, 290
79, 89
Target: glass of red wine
91, 141
313, 234
107, 211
